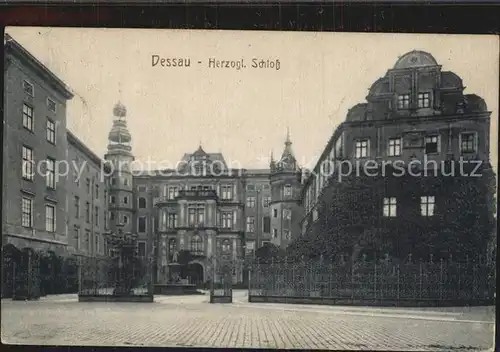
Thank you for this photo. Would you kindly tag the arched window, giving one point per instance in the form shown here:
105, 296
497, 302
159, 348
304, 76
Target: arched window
196, 244
226, 246
142, 202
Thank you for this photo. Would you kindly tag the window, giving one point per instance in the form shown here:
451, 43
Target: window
390, 207
196, 213
27, 212
96, 190
250, 246
96, 210
362, 149
275, 233
173, 192
77, 238
287, 190
427, 204
97, 247
394, 147
196, 244
266, 224
28, 164
403, 101
172, 220
141, 226
125, 200
250, 187
275, 213
51, 105
113, 181
125, 219
77, 207
141, 248
250, 224
227, 220
28, 88
87, 212
468, 142
87, 240
226, 246
287, 234
265, 186
287, 214
51, 131
142, 203
112, 199
125, 181
111, 216
50, 173
28, 117
87, 183
431, 144
227, 192
266, 201
50, 218
424, 100
250, 202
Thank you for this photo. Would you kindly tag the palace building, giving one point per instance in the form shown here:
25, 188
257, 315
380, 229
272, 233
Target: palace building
416, 112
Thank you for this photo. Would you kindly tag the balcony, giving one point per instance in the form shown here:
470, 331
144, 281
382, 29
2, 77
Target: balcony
197, 194
186, 194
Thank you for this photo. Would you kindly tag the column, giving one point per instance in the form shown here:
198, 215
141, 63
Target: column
209, 243
209, 219
182, 213
234, 249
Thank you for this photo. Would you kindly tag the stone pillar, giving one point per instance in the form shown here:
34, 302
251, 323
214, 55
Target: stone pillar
209, 243
209, 214
182, 239
182, 213
234, 249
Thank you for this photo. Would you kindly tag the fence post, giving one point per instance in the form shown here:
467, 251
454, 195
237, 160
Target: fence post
397, 270
352, 280
441, 279
420, 280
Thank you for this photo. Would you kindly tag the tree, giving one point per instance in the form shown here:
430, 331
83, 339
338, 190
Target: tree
351, 217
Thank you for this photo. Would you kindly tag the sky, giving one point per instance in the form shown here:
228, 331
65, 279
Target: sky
245, 113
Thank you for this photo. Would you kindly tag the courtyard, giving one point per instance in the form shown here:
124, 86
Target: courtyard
191, 321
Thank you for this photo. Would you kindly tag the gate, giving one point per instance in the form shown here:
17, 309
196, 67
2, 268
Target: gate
26, 276
221, 287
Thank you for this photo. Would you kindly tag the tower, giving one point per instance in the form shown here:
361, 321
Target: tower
285, 208
119, 158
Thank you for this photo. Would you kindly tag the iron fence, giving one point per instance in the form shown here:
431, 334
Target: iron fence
421, 281
106, 277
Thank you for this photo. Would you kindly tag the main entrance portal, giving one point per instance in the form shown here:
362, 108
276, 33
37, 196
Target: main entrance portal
195, 274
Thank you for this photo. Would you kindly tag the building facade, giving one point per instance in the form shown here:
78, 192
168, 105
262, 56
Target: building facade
417, 113
87, 208
34, 142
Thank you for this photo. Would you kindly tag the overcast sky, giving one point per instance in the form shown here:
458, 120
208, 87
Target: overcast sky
243, 114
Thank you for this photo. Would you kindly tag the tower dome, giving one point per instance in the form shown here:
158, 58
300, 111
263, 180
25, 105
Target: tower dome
119, 133
119, 110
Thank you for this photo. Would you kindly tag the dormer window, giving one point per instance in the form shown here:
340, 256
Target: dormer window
424, 100
404, 101
468, 142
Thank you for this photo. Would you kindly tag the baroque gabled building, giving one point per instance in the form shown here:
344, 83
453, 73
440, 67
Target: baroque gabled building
417, 115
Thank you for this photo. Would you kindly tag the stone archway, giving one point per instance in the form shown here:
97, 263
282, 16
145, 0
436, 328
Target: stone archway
196, 273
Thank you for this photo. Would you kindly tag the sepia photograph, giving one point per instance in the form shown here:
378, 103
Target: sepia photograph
249, 189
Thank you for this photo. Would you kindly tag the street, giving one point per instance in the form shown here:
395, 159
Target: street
191, 321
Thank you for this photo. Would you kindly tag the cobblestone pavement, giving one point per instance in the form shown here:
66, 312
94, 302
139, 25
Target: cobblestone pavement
192, 321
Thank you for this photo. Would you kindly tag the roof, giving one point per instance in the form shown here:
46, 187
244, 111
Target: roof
73, 140
14, 48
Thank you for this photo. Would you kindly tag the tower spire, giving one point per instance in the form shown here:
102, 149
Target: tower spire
288, 141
